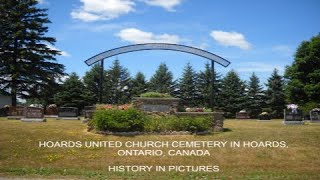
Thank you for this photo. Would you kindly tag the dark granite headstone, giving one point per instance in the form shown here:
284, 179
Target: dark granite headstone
315, 116
88, 113
15, 112
33, 114
68, 113
291, 117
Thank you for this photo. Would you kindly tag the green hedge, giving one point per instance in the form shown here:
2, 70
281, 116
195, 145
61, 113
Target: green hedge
174, 123
131, 120
118, 120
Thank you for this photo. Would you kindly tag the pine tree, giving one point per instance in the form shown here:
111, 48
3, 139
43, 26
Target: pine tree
188, 90
275, 94
233, 94
162, 80
139, 84
204, 84
73, 94
255, 96
119, 84
91, 81
303, 76
26, 61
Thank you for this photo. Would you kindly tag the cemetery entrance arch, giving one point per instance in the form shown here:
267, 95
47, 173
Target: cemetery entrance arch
158, 46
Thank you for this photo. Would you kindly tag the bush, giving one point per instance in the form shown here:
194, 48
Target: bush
174, 123
155, 95
128, 120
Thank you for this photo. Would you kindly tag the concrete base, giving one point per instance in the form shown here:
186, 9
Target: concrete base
33, 120
314, 121
293, 122
51, 116
14, 117
68, 118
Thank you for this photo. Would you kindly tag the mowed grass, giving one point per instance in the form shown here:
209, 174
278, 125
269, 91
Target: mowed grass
20, 155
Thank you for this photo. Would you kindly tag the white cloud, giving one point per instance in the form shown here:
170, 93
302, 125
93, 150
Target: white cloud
203, 46
231, 39
63, 53
167, 4
283, 49
137, 36
94, 10
258, 67
41, 1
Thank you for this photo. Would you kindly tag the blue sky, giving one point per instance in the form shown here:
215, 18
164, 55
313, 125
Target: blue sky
255, 36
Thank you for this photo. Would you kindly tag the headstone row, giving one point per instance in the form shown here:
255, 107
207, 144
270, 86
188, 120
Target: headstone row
26, 114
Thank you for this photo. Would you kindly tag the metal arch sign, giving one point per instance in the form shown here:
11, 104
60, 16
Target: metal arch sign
157, 46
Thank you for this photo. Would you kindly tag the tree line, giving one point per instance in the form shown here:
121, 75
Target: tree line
29, 70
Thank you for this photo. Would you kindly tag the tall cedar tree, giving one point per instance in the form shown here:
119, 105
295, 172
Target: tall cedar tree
275, 94
255, 96
139, 84
303, 76
162, 80
204, 84
119, 84
233, 94
188, 90
73, 93
26, 61
91, 81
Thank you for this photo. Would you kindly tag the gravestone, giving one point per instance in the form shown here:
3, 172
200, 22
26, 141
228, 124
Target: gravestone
68, 113
51, 111
293, 117
242, 115
315, 115
88, 113
33, 114
15, 112
165, 105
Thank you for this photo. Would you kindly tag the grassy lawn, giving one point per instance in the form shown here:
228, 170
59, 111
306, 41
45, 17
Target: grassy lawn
20, 155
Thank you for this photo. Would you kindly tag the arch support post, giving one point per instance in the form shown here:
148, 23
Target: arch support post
212, 86
101, 81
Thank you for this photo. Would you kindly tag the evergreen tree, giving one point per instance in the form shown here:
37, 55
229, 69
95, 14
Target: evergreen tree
303, 76
44, 94
119, 84
26, 61
162, 80
188, 86
73, 94
255, 96
204, 84
139, 84
275, 94
233, 94
91, 81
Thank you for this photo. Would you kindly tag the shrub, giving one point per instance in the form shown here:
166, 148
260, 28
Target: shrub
155, 95
119, 120
174, 123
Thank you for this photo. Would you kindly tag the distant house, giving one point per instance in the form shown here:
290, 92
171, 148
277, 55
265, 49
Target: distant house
4, 100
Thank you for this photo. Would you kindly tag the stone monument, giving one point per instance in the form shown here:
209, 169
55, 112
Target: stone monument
33, 114
68, 113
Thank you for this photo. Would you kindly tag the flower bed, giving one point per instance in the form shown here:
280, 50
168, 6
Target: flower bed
264, 116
